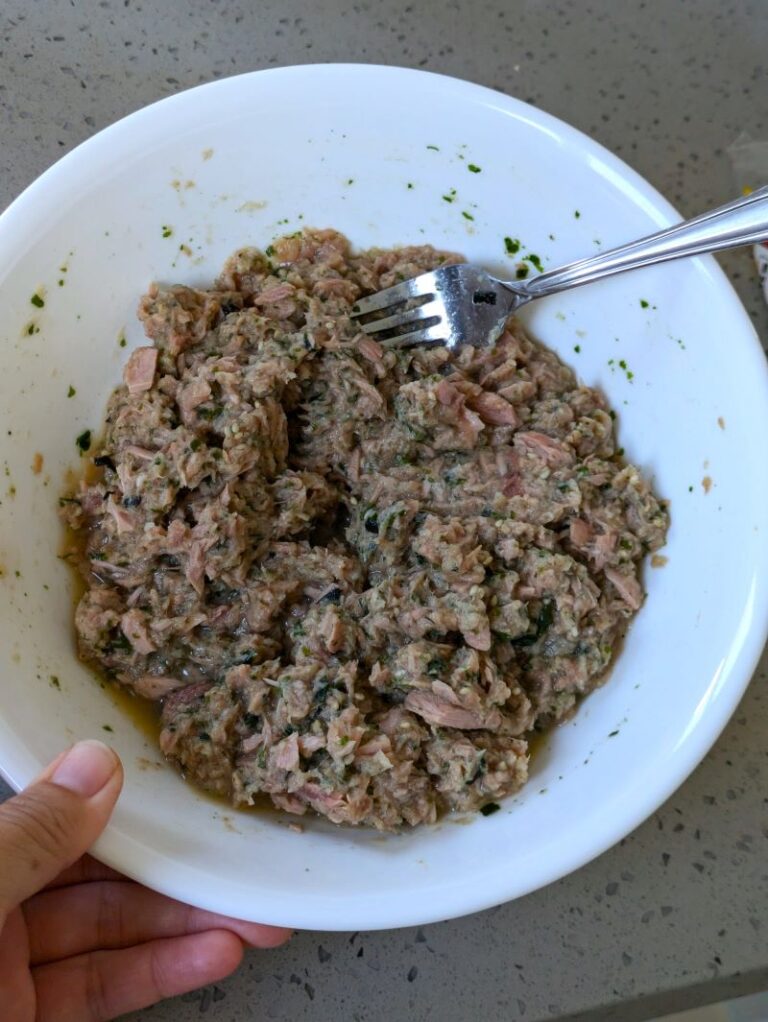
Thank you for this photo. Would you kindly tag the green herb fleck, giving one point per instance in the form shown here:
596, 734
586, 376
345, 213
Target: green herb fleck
690, 489
467, 216
490, 808
473, 168
122, 341
535, 262
350, 180
543, 621
55, 683
61, 283
270, 250
167, 231
643, 303
84, 441
521, 272
435, 147
451, 196
71, 392
512, 245
612, 734
410, 184
576, 213
37, 300
107, 727
577, 348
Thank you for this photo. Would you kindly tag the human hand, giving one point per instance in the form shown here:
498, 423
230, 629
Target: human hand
78, 941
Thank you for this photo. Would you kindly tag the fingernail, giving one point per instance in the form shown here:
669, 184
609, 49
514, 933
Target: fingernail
86, 768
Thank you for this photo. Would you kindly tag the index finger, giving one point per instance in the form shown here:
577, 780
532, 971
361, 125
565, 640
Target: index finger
99, 986
85, 871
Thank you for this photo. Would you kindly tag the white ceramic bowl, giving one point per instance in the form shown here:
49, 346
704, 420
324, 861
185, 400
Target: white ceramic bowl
237, 162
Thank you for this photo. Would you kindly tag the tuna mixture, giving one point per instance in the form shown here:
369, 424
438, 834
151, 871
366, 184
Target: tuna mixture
355, 580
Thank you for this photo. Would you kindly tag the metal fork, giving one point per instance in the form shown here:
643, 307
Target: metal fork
462, 304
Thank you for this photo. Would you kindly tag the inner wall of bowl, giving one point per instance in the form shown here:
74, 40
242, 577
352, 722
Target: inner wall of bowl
170, 203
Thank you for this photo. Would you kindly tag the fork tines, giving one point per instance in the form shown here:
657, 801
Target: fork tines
422, 309
422, 286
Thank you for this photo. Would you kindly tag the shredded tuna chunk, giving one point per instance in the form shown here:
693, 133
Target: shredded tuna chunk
353, 579
152, 686
627, 587
445, 713
553, 452
139, 372
371, 349
494, 410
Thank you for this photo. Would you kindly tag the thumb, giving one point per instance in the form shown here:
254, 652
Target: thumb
56, 819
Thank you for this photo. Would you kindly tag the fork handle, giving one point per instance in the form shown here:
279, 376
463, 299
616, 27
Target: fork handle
741, 222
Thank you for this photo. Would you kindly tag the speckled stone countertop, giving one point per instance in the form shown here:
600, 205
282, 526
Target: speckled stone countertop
677, 914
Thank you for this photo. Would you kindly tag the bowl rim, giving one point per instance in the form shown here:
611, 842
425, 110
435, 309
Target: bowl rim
129, 854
